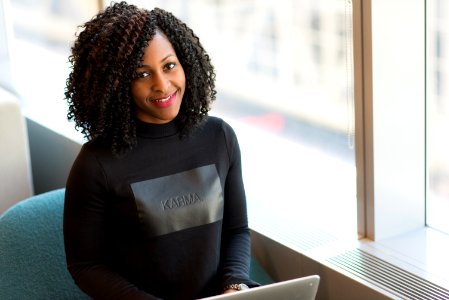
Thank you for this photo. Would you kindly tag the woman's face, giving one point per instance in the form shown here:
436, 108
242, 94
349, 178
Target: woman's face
160, 83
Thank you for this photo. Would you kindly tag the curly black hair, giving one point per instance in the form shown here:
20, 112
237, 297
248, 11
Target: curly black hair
104, 60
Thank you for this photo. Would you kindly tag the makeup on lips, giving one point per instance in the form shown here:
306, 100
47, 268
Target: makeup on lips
164, 102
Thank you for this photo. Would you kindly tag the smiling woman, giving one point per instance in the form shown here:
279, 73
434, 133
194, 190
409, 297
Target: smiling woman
160, 82
157, 190
151, 61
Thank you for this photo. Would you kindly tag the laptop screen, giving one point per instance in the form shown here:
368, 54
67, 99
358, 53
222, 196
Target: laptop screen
304, 288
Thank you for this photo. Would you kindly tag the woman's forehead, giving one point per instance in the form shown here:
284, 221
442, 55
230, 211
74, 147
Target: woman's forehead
158, 49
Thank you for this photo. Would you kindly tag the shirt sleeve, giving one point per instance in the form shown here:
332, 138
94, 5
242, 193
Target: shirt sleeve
84, 233
236, 239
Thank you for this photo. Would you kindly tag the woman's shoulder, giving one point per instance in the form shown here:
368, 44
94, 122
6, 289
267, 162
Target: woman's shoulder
95, 149
216, 127
213, 120
94, 145
218, 123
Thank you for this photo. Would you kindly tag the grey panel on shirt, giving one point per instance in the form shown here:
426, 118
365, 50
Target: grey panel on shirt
179, 201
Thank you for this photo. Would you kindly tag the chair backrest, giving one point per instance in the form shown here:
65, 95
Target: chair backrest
32, 256
258, 273
15, 166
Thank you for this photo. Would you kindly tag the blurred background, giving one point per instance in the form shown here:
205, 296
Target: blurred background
285, 82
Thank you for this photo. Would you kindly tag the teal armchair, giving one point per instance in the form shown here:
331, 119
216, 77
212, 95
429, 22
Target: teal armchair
32, 257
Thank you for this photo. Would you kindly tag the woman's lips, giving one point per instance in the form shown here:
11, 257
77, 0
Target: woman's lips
165, 102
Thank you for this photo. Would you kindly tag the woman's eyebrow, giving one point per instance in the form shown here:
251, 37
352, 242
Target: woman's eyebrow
166, 57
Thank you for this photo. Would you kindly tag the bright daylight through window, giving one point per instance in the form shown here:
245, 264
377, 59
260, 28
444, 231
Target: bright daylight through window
284, 81
39, 53
437, 114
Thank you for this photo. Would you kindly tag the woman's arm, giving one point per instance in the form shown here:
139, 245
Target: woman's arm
84, 233
236, 240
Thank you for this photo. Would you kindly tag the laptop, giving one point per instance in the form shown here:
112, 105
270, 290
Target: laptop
303, 288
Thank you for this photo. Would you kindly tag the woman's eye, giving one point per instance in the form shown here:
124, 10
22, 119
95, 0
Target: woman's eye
142, 74
170, 66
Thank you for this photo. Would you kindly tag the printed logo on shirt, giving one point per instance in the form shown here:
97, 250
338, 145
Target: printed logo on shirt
181, 201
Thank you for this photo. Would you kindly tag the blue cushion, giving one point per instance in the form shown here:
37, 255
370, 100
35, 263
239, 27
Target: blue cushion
32, 257
258, 274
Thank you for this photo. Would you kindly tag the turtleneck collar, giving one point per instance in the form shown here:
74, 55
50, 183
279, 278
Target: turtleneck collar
151, 130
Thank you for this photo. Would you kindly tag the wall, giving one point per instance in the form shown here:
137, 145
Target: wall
283, 263
52, 156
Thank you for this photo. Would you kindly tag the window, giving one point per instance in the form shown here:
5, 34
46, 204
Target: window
39, 46
287, 92
392, 120
437, 114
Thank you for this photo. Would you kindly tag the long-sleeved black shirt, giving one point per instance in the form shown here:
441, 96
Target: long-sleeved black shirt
166, 221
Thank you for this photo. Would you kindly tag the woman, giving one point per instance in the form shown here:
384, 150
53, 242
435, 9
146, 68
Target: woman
155, 205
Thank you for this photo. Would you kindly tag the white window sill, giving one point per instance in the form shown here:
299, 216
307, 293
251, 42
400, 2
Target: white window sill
422, 252
396, 268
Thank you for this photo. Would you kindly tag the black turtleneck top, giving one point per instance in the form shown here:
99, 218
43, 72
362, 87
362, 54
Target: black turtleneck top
166, 221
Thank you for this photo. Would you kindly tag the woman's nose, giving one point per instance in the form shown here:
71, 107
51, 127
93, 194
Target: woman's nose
160, 83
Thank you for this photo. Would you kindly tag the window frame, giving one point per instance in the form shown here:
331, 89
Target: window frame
392, 217
384, 190
6, 33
